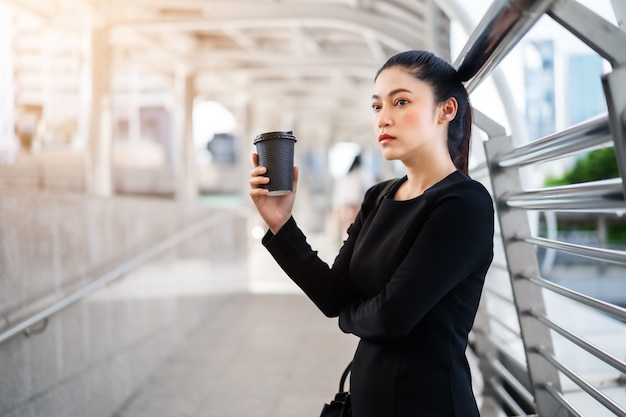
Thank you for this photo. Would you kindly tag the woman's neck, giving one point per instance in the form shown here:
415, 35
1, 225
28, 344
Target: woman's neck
420, 177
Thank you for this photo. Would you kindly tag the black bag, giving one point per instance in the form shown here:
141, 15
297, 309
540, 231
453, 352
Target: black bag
341, 406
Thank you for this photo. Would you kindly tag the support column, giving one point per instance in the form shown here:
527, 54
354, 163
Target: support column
185, 156
134, 105
7, 101
264, 120
244, 136
98, 150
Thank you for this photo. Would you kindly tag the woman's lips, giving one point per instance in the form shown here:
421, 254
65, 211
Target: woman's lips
385, 138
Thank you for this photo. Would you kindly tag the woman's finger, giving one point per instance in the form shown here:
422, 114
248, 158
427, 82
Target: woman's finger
257, 177
258, 170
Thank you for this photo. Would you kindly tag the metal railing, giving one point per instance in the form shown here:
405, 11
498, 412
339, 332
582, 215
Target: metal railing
116, 273
541, 381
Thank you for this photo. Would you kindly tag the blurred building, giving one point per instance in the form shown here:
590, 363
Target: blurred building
539, 87
583, 87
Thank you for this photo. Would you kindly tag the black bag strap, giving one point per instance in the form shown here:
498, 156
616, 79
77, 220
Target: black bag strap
386, 189
344, 376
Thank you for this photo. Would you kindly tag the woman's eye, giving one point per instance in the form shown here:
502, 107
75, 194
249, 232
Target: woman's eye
376, 107
401, 102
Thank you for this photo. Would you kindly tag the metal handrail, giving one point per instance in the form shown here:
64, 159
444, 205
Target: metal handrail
497, 265
115, 274
601, 306
561, 400
600, 254
583, 384
588, 135
505, 397
512, 381
602, 36
505, 326
480, 170
580, 342
500, 296
502, 350
500, 29
595, 196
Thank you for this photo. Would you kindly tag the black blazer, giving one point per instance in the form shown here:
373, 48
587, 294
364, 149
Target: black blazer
407, 281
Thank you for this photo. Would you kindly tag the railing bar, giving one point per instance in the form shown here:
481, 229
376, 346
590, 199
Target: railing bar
480, 170
582, 343
498, 295
584, 385
495, 293
480, 166
501, 370
593, 196
505, 325
588, 205
601, 254
502, 349
586, 135
500, 29
604, 307
561, 399
495, 265
111, 276
603, 37
505, 397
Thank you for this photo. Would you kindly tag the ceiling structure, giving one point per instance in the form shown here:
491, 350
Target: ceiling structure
298, 62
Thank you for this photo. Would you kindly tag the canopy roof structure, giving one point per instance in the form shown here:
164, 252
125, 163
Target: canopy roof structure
308, 61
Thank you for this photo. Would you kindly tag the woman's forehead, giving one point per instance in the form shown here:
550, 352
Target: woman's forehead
396, 78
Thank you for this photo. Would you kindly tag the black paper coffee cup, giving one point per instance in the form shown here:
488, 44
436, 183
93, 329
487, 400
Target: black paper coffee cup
275, 150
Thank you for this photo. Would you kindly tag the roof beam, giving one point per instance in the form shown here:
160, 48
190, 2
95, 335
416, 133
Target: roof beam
222, 16
241, 39
41, 9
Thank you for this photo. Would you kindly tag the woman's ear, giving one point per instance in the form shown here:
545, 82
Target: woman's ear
448, 110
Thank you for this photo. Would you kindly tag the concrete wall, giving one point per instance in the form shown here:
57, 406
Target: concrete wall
90, 358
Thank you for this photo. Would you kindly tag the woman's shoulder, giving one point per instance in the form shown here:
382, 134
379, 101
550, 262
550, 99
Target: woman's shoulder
462, 186
379, 190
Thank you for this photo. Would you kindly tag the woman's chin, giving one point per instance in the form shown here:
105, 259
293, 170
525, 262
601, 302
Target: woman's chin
389, 155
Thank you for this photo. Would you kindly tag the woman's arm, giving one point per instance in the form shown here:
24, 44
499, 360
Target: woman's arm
455, 241
330, 288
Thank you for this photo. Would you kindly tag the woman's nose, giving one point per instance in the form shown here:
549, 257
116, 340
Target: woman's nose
383, 119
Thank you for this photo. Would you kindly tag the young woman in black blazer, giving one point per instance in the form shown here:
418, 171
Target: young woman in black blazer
408, 279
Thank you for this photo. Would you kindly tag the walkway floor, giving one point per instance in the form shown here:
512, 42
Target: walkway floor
268, 353
265, 355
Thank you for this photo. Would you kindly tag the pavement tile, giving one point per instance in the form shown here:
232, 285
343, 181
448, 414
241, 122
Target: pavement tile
257, 355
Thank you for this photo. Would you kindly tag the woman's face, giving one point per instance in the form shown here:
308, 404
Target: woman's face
406, 118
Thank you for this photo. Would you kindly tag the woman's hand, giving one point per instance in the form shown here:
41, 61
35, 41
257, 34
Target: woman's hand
275, 210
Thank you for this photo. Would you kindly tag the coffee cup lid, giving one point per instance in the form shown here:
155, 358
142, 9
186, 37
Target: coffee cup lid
275, 135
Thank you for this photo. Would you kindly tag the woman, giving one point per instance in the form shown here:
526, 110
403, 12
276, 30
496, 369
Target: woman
408, 279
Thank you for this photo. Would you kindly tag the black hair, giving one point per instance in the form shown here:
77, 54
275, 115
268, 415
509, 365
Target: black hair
356, 162
446, 83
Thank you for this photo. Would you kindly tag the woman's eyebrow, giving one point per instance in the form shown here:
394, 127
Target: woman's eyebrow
393, 92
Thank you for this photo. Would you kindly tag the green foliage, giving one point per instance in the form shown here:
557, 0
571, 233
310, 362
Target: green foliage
616, 235
596, 165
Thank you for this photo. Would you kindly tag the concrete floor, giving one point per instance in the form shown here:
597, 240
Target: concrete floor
265, 355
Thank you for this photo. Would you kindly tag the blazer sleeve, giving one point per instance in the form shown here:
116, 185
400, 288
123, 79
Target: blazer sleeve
455, 241
329, 288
